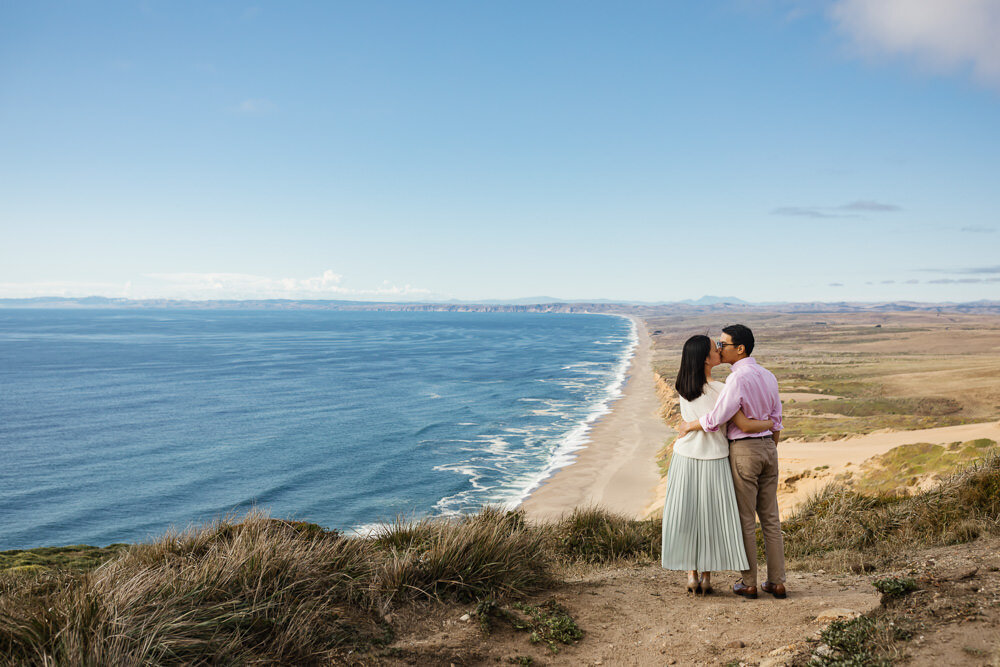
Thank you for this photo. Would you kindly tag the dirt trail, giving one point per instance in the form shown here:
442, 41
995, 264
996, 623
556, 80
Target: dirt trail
641, 615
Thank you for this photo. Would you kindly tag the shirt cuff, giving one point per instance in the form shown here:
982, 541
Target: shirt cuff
705, 425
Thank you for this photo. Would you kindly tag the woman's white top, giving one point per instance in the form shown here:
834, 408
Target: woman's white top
699, 444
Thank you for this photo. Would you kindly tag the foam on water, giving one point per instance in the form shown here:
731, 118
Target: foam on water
118, 424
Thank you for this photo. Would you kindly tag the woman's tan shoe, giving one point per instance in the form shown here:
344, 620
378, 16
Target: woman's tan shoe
705, 583
693, 586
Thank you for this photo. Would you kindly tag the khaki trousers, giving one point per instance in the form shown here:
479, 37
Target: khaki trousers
754, 463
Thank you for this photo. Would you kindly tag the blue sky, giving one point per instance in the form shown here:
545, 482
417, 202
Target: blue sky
769, 150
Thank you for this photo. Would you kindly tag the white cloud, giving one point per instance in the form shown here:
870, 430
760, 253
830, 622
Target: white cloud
941, 35
200, 286
248, 286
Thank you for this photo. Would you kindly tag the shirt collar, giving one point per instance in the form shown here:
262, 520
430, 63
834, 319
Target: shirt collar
745, 361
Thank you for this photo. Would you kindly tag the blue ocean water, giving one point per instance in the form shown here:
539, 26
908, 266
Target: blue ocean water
117, 424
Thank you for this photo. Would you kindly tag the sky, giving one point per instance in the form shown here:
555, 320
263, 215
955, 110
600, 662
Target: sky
768, 150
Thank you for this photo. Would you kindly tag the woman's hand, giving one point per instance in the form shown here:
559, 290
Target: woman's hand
687, 427
748, 425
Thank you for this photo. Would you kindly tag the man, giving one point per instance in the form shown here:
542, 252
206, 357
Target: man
753, 459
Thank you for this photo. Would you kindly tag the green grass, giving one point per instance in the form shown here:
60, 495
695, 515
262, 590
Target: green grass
548, 622
78, 556
903, 467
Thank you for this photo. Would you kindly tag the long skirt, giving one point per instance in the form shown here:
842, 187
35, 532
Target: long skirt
701, 523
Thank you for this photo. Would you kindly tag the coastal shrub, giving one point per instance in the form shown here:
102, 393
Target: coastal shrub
860, 642
595, 535
893, 588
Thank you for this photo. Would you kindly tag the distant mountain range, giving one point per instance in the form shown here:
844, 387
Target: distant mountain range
533, 304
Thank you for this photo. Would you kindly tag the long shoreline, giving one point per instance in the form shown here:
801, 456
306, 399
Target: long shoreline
617, 468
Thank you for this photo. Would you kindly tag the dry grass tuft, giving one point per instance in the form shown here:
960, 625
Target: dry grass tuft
260, 590
595, 535
492, 553
257, 590
842, 525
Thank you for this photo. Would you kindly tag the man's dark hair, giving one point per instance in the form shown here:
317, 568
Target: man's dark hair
741, 335
691, 377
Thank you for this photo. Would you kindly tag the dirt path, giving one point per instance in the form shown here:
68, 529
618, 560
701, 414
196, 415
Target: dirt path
641, 615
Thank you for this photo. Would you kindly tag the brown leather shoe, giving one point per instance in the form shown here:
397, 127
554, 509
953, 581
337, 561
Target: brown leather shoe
749, 592
777, 590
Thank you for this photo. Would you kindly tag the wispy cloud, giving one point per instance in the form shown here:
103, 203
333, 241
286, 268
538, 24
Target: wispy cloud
979, 269
809, 212
979, 229
853, 209
968, 270
248, 286
939, 35
953, 281
256, 106
327, 285
836, 284
869, 205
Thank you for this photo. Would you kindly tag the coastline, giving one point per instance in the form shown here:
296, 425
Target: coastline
616, 468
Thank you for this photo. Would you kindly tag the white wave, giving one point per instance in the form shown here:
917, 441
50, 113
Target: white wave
494, 454
578, 437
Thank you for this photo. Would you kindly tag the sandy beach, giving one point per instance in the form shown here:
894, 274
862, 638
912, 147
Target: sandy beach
617, 468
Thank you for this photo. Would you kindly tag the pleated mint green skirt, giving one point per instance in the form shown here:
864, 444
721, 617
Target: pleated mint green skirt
701, 523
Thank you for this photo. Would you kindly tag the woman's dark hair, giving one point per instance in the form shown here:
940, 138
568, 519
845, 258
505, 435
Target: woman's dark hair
691, 376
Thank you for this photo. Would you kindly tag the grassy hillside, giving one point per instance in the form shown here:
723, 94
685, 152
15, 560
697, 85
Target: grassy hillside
265, 590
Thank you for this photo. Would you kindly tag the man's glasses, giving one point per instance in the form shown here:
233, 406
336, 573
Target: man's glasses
720, 344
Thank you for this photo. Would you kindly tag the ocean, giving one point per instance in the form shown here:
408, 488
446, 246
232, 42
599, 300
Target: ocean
117, 425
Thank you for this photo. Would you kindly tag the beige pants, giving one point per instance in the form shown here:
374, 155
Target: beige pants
755, 475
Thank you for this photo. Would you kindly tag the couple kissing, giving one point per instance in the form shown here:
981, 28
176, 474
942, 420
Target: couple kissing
724, 468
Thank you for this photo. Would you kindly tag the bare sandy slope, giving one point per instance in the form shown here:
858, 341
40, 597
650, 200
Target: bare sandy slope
641, 615
795, 458
617, 469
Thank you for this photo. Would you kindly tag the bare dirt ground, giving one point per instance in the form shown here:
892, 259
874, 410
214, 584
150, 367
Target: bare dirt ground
640, 615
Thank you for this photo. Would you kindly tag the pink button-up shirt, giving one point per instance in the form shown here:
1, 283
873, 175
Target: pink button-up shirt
751, 387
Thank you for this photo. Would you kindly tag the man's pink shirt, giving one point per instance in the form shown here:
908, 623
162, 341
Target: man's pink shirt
752, 387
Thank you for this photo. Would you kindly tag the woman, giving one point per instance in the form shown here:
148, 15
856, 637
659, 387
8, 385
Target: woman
701, 524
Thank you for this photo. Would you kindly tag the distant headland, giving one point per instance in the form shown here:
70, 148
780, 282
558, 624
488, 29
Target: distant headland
706, 304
